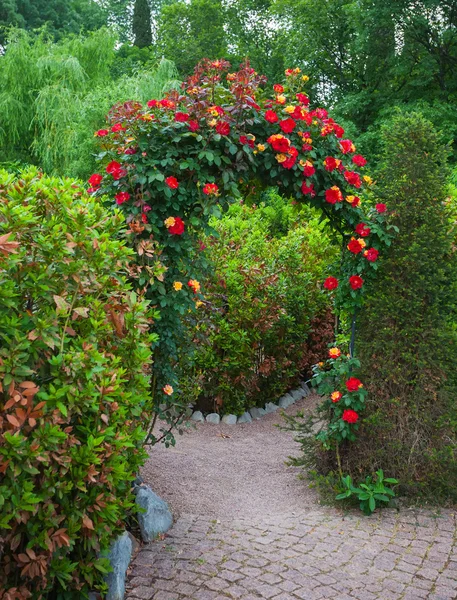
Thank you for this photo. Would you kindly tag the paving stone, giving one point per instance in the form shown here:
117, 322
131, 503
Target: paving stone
318, 555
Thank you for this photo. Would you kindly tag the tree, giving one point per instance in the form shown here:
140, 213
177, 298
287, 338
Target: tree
406, 343
60, 16
141, 24
188, 32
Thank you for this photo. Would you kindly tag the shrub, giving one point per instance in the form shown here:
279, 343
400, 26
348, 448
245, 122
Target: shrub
406, 343
265, 319
74, 386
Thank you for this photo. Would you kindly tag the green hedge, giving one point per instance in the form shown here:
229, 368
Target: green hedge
265, 319
74, 386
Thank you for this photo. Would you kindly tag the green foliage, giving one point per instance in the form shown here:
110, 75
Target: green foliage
141, 24
407, 340
264, 320
74, 386
49, 114
373, 493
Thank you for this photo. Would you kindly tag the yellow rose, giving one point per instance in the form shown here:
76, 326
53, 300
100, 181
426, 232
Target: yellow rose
305, 78
169, 222
281, 158
289, 109
177, 286
281, 99
260, 147
213, 122
367, 179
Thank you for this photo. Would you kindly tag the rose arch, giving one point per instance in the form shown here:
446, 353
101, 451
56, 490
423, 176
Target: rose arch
172, 164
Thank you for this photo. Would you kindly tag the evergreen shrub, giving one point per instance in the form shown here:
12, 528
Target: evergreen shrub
74, 386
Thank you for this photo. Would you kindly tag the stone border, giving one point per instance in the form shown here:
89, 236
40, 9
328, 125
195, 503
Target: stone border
254, 413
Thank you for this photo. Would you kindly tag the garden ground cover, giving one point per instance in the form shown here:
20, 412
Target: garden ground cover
246, 527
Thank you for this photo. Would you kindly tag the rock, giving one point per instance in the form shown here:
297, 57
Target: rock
93, 596
257, 413
135, 543
138, 481
297, 394
270, 407
213, 418
305, 389
245, 418
285, 401
156, 518
119, 557
198, 417
229, 419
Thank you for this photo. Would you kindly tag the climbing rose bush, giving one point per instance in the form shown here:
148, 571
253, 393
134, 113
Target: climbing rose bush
180, 160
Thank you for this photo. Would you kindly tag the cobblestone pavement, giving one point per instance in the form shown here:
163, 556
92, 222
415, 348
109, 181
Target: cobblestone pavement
323, 554
247, 528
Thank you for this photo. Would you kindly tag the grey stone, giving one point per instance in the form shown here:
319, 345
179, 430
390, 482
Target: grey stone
229, 419
297, 394
245, 418
305, 388
213, 418
286, 401
257, 413
93, 596
156, 518
119, 557
197, 416
270, 407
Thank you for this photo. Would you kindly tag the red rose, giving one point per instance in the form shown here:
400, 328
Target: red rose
320, 113
333, 195
331, 283
287, 125
113, 166
117, 127
95, 180
359, 160
371, 254
101, 132
353, 200
279, 143
350, 416
278, 88
347, 146
356, 282
309, 169
131, 151
178, 227
223, 128
363, 230
381, 207
172, 182
355, 246
289, 162
303, 99
118, 174
152, 103
271, 116
353, 178
331, 163
308, 190
246, 141
144, 217
193, 125
353, 384
339, 131
122, 197
181, 117
210, 189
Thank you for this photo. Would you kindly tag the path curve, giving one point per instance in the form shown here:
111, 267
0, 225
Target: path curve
246, 527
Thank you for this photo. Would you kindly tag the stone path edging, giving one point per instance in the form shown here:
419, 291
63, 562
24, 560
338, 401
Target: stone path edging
255, 412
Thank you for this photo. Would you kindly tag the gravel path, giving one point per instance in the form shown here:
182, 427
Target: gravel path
231, 470
247, 528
